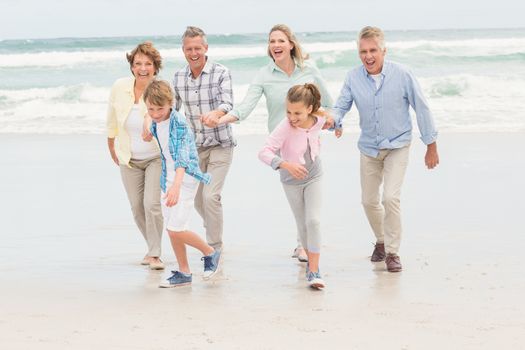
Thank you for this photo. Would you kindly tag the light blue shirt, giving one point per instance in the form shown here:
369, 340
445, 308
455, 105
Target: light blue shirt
384, 116
272, 82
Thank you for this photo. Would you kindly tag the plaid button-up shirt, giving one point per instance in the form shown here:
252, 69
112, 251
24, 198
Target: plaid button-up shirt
211, 90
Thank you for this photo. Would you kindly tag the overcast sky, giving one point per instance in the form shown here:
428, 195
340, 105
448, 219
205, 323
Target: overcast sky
24, 19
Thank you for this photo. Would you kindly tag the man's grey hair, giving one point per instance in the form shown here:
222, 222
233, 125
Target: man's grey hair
192, 32
369, 32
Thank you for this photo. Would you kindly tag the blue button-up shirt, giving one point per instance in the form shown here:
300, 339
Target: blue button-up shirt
384, 116
182, 149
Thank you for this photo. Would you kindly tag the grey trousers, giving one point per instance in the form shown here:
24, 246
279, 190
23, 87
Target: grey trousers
305, 202
142, 184
384, 214
216, 161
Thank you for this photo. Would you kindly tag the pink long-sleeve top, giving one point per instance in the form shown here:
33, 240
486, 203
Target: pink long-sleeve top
292, 143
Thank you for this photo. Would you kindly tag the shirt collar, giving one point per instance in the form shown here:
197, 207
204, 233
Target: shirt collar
384, 71
206, 69
275, 67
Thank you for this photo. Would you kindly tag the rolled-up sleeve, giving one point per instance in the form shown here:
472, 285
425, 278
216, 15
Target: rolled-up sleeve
425, 121
180, 142
225, 92
111, 117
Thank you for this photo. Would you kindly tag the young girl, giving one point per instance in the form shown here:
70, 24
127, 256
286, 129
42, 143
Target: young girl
296, 138
178, 182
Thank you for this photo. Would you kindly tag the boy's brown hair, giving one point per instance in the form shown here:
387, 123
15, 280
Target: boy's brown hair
158, 93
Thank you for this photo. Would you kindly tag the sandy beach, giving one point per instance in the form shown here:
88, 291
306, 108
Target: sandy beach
70, 252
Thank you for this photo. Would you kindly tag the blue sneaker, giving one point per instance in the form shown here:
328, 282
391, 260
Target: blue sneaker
315, 280
178, 279
211, 264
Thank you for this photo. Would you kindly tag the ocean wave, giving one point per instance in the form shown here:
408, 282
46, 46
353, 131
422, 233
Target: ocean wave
462, 102
491, 49
471, 86
68, 58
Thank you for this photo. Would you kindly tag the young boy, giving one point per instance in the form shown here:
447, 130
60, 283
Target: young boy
179, 182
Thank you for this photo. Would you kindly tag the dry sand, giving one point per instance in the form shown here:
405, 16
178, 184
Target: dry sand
70, 275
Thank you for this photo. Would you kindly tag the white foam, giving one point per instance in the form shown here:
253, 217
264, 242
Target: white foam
473, 47
479, 103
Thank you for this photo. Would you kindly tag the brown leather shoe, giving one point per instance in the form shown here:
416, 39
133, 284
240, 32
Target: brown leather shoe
379, 253
393, 263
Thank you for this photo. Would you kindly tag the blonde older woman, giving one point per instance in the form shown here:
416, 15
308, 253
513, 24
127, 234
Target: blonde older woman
139, 161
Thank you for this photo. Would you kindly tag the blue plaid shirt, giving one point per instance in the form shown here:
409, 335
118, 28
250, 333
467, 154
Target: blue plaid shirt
182, 149
384, 115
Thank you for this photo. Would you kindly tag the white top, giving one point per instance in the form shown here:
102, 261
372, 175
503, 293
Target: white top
163, 134
140, 149
377, 78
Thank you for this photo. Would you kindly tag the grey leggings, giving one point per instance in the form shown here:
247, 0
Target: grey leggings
305, 201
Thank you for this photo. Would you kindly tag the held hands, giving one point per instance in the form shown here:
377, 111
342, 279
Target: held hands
298, 171
211, 119
431, 157
172, 196
329, 123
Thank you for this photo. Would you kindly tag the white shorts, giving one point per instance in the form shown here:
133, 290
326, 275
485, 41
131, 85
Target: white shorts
177, 217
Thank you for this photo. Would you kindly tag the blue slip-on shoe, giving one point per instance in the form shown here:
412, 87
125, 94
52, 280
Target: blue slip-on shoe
211, 264
315, 280
178, 279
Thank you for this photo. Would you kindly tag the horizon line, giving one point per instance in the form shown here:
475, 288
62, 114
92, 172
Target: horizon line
253, 33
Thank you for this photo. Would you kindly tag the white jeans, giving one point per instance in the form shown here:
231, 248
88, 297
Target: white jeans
384, 216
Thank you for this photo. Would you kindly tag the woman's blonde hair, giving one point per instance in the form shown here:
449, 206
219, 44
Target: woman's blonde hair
158, 93
297, 52
146, 48
307, 93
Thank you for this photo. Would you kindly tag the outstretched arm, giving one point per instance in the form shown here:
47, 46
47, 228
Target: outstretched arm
225, 98
344, 102
248, 104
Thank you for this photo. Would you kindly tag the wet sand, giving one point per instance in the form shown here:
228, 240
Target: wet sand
70, 274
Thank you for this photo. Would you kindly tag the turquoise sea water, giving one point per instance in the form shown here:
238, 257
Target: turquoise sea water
474, 79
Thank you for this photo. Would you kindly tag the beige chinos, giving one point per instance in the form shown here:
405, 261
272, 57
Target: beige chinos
216, 161
384, 214
141, 180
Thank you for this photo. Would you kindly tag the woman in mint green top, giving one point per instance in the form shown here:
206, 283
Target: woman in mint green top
288, 68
